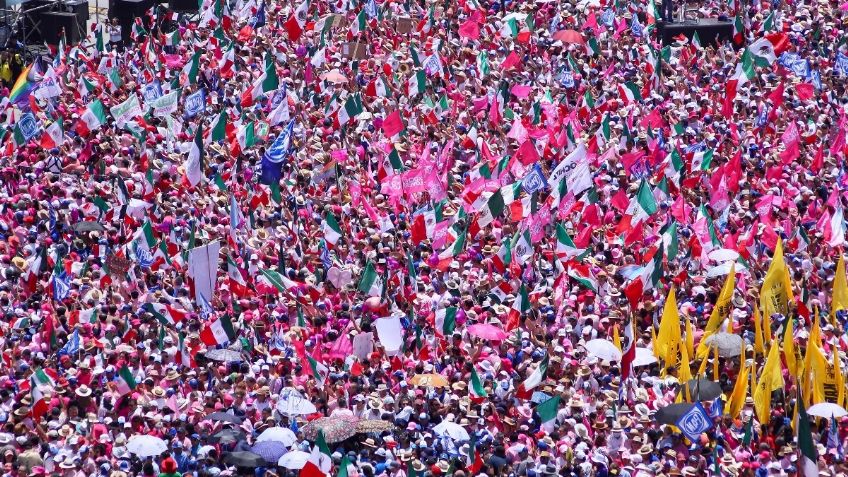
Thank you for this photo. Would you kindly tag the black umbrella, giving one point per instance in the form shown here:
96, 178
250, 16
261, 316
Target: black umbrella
225, 417
227, 436
671, 413
244, 459
88, 226
703, 390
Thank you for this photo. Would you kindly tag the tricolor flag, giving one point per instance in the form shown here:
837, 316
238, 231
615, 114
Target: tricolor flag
93, 117
218, 332
476, 388
264, 84
319, 371
166, 314
519, 307
535, 378
331, 229
445, 321
194, 162
629, 92
566, 249
238, 285
125, 381
371, 283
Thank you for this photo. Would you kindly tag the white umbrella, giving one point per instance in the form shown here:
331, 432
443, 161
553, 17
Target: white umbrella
293, 460
146, 446
724, 269
827, 409
452, 430
292, 403
603, 349
723, 255
278, 434
644, 357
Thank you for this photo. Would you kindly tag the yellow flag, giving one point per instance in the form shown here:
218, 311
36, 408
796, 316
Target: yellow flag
840, 380
789, 348
654, 348
685, 374
839, 300
815, 333
740, 389
616, 339
758, 333
770, 379
766, 329
720, 311
690, 337
776, 292
818, 373
668, 339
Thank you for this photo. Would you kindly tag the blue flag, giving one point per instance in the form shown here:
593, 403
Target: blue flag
272, 160
840, 66
195, 103
72, 347
695, 422
534, 180
61, 286
258, 20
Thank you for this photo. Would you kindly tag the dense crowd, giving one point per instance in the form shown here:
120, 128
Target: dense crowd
384, 238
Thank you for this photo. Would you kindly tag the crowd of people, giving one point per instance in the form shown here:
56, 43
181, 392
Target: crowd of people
397, 238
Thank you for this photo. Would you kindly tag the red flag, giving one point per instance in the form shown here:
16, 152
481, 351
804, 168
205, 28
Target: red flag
776, 96
620, 200
633, 292
511, 60
393, 124
311, 470
470, 29
419, 230
527, 153
293, 28
818, 161
804, 91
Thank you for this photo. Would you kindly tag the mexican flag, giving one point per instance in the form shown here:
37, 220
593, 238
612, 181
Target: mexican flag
378, 87
565, 246
535, 379
702, 160
194, 163
277, 280
519, 307
744, 73
93, 117
352, 108
768, 48
738, 30
629, 92
547, 410
319, 371
36, 264
218, 332
85, 316
172, 39
238, 286
264, 84
319, 462
503, 258
477, 389
218, 128
371, 283
643, 204
445, 321
628, 353
166, 314
583, 276
806, 445
360, 23
126, 381
40, 404
417, 84
190, 70
54, 135
41, 378
296, 23
331, 229
226, 63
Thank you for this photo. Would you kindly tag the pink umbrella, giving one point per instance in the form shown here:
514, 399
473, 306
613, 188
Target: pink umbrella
488, 332
569, 36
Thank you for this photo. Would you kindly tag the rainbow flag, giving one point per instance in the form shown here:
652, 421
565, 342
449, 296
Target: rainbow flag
22, 87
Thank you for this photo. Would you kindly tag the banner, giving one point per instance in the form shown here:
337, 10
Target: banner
165, 105
126, 110
28, 126
151, 91
195, 103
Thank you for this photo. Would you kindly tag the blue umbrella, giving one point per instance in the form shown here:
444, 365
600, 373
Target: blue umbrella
271, 451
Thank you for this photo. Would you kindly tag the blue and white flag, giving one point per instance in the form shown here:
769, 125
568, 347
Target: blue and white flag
695, 422
566, 78
762, 118
195, 103
272, 160
717, 407
636, 27
534, 180
143, 257
608, 18
61, 286
258, 20
28, 126
840, 66
206, 309
151, 91
72, 347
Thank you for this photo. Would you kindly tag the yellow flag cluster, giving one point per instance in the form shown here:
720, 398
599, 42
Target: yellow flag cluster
720, 311
740, 389
839, 298
776, 293
668, 341
770, 380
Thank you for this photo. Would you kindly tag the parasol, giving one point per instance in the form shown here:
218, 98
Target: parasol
278, 434
225, 417
88, 226
569, 36
452, 430
671, 413
227, 436
336, 428
334, 76
431, 380
644, 357
225, 355
703, 389
827, 410
293, 460
244, 459
487, 332
146, 445
722, 255
603, 349
270, 451
292, 403
368, 426
728, 345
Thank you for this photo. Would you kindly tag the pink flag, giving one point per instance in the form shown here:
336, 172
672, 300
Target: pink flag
470, 29
393, 124
790, 139
392, 185
511, 60
413, 182
440, 234
434, 186
527, 153
804, 91
521, 90
518, 131
341, 348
